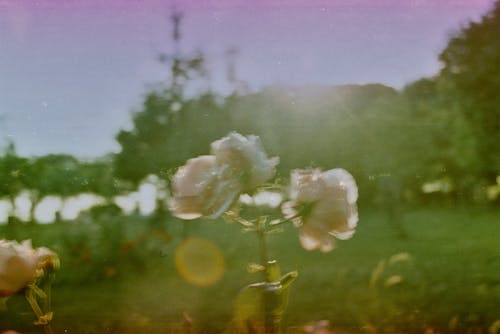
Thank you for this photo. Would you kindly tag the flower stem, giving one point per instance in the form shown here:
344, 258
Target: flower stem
271, 324
261, 233
33, 303
30, 297
47, 329
47, 301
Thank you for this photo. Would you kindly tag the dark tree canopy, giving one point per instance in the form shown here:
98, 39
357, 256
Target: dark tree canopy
472, 63
167, 132
14, 173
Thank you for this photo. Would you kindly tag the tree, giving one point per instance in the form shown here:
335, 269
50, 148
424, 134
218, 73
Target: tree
53, 174
13, 174
166, 133
98, 177
169, 128
451, 144
63, 176
472, 64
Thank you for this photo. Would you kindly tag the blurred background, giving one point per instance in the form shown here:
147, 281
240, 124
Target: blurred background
101, 101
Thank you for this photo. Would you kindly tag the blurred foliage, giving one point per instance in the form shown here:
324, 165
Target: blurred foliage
472, 65
14, 174
416, 136
58, 175
166, 133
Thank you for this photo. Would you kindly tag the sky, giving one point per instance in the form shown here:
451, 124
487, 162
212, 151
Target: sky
73, 71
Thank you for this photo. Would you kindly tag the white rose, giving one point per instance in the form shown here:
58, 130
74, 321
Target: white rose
19, 263
323, 204
200, 188
208, 185
245, 158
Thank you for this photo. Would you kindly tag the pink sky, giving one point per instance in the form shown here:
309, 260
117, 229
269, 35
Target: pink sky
243, 3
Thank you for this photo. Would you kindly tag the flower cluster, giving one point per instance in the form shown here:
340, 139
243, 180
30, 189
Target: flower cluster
322, 204
208, 185
21, 264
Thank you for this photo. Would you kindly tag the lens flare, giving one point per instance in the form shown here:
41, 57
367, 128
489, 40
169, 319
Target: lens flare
199, 261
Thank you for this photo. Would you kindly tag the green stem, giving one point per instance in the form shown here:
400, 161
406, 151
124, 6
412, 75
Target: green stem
47, 329
245, 223
30, 297
271, 326
48, 289
264, 255
288, 220
33, 303
185, 230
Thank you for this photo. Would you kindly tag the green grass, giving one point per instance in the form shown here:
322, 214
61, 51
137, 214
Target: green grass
451, 283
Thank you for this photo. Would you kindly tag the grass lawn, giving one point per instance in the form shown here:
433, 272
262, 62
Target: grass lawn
446, 277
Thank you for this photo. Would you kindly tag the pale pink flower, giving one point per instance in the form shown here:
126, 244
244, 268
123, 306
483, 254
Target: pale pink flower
245, 158
187, 186
323, 204
208, 185
19, 263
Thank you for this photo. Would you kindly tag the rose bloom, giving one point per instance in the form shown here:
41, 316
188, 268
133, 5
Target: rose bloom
19, 263
208, 185
323, 204
187, 187
245, 158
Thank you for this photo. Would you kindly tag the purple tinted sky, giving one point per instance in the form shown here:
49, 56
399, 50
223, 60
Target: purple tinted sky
71, 71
